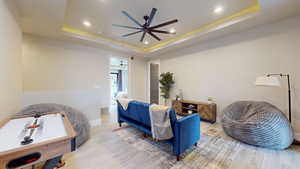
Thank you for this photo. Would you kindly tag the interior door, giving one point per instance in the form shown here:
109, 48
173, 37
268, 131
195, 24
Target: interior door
154, 83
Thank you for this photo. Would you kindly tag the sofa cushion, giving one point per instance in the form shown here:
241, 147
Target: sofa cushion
138, 111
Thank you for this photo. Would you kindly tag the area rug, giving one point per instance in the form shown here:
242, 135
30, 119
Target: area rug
215, 150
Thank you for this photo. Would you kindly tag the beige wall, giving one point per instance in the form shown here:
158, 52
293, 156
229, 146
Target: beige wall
72, 74
137, 78
226, 68
65, 73
10, 60
57, 65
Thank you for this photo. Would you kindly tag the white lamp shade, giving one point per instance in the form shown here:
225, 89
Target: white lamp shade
267, 81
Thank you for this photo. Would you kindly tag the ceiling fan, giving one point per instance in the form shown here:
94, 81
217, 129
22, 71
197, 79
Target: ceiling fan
146, 28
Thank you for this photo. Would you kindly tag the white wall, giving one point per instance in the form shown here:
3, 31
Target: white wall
65, 73
226, 68
10, 60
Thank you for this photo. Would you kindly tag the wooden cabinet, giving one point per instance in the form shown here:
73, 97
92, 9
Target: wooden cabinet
206, 110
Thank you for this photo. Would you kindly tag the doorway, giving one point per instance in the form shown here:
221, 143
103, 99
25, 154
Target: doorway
118, 78
153, 82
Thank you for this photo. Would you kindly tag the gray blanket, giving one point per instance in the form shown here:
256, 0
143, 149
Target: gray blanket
78, 120
160, 122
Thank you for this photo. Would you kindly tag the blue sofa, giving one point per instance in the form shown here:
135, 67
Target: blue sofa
186, 130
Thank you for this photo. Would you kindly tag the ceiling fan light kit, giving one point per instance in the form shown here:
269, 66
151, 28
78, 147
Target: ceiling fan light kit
146, 28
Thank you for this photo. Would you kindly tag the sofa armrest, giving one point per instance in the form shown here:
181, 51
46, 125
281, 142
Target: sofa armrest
186, 133
120, 110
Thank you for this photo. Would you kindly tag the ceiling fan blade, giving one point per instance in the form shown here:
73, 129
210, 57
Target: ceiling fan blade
131, 33
143, 36
153, 35
164, 24
131, 18
123, 26
153, 12
159, 31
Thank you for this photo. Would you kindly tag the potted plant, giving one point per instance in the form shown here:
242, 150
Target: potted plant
166, 83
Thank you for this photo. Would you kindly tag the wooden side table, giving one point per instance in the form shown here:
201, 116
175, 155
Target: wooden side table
207, 111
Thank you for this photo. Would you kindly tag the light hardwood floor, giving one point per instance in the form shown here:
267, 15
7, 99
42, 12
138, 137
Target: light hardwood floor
114, 148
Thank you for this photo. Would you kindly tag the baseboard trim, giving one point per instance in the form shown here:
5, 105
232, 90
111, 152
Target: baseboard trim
297, 136
95, 123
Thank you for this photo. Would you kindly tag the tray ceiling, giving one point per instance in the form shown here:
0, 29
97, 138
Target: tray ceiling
194, 17
64, 20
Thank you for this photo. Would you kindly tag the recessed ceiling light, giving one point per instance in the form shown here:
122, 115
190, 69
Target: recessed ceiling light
172, 30
219, 10
146, 42
87, 23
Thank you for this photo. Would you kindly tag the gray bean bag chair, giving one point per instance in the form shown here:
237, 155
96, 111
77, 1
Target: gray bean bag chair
257, 123
78, 120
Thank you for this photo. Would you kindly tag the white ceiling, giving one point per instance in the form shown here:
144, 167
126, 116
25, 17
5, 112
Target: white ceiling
48, 17
42, 17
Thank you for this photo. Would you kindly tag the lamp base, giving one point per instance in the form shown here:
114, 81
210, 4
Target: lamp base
296, 142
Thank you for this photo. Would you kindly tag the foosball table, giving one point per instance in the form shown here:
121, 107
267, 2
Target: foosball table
28, 140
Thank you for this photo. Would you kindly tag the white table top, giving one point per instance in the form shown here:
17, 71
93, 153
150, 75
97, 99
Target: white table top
11, 134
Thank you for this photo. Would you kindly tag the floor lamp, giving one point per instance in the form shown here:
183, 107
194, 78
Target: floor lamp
272, 80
